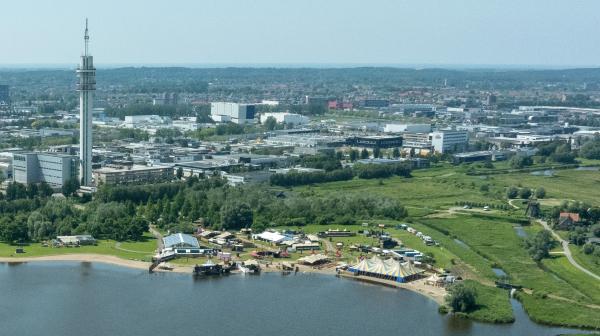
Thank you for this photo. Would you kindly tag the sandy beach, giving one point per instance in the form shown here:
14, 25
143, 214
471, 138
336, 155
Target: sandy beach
435, 293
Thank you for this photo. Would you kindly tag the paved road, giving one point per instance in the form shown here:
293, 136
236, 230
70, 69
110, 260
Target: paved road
567, 251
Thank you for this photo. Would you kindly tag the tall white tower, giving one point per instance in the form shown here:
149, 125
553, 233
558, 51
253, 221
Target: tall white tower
86, 87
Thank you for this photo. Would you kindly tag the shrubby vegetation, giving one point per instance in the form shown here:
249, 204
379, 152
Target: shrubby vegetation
591, 149
520, 161
125, 212
461, 298
539, 246
296, 179
363, 171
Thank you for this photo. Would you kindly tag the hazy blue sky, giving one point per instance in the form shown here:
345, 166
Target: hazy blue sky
535, 32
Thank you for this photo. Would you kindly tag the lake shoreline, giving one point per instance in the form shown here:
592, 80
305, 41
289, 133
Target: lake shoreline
417, 286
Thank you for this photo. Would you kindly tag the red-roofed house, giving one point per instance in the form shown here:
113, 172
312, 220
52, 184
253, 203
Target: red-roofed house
566, 220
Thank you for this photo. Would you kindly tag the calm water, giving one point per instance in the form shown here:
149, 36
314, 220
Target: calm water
499, 272
520, 231
95, 299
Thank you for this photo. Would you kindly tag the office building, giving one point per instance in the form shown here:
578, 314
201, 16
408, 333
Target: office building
285, 118
376, 141
232, 112
135, 174
86, 87
54, 169
412, 128
444, 141
420, 142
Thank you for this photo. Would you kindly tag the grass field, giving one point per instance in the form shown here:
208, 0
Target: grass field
140, 250
490, 240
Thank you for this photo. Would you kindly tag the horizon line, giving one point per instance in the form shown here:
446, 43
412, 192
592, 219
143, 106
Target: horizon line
298, 65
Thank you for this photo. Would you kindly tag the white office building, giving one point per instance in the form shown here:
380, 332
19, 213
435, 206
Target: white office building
444, 141
285, 118
232, 112
410, 128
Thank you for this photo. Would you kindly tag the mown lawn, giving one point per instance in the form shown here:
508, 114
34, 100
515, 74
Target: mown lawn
143, 249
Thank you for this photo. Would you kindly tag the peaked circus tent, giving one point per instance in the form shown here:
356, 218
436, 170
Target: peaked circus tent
386, 269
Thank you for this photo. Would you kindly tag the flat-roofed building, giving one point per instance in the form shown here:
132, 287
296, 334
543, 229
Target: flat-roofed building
444, 141
379, 141
54, 169
135, 174
285, 118
234, 112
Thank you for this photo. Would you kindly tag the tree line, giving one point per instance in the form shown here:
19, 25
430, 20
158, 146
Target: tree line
362, 171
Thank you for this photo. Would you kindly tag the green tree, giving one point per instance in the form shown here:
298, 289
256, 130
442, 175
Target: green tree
353, 155
512, 192
525, 193
520, 161
396, 153
15, 190
70, 186
179, 173
13, 229
376, 152
270, 123
45, 190
591, 149
364, 154
540, 192
236, 215
539, 245
461, 298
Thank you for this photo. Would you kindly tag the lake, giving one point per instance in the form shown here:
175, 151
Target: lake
68, 298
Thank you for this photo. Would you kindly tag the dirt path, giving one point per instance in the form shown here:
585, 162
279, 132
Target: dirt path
158, 236
510, 202
567, 251
328, 245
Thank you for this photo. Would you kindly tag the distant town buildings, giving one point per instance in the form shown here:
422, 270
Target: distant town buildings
4, 95
232, 112
166, 99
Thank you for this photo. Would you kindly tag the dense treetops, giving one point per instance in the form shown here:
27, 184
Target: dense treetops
124, 212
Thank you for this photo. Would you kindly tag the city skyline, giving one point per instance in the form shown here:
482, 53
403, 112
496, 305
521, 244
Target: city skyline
270, 33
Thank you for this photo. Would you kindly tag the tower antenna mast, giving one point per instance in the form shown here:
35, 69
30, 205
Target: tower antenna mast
86, 37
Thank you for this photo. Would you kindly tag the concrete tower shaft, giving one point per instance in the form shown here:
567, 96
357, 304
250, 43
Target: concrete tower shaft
86, 87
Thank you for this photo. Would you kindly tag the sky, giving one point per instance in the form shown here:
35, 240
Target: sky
543, 33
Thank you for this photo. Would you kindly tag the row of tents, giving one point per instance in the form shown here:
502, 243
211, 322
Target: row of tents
389, 269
